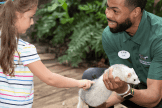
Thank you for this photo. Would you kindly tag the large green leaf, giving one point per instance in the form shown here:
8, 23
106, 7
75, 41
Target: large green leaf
64, 6
61, 1
53, 7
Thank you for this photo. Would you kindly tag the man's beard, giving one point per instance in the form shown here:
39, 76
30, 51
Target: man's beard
122, 27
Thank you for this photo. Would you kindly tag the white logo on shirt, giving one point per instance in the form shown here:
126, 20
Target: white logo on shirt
124, 54
144, 58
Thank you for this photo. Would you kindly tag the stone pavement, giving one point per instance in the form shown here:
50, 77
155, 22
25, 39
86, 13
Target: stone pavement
46, 96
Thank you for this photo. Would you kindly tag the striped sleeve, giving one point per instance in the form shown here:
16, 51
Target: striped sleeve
28, 54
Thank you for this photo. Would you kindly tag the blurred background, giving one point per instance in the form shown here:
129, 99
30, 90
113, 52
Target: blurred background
68, 38
73, 29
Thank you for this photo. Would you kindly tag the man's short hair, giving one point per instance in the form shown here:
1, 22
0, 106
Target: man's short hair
132, 4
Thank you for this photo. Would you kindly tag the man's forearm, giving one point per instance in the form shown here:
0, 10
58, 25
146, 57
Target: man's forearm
113, 99
146, 98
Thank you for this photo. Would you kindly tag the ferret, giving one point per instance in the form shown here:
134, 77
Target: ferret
97, 94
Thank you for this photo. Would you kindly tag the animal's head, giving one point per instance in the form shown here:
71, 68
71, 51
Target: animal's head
131, 77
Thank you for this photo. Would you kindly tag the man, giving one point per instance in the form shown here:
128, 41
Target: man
133, 37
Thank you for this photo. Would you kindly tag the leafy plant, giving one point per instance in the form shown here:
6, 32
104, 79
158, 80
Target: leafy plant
84, 40
158, 9
51, 12
87, 35
82, 21
85, 28
95, 8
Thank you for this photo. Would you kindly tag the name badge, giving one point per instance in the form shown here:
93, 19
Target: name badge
124, 54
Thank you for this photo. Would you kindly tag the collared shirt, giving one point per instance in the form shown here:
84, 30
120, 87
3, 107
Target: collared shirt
145, 47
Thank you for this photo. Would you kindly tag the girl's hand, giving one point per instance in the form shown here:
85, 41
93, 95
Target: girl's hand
85, 84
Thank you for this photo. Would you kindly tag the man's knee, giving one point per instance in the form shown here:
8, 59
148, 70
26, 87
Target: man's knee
93, 73
87, 74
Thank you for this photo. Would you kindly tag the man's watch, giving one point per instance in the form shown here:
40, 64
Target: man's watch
129, 95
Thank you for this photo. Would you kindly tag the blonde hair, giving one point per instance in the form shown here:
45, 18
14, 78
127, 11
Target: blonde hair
9, 32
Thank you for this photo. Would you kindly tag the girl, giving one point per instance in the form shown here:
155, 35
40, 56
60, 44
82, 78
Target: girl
19, 59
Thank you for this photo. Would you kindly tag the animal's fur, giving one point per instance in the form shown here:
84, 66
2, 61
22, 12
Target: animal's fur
97, 94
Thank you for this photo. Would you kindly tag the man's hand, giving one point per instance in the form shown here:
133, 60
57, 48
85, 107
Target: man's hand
114, 84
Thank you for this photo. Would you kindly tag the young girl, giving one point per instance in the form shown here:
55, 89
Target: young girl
19, 59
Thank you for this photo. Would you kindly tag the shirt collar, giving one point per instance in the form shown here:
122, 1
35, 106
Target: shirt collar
137, 37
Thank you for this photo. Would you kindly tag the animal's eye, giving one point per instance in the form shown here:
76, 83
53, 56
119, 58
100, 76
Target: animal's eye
134, 79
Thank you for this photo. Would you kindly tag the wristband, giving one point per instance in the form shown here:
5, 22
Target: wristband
126, 91
132, 91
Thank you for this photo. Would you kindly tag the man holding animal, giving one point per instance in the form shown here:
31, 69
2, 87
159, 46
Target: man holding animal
133, 37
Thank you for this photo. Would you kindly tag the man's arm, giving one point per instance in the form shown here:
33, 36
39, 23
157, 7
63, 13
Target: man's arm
113, 100
149, 97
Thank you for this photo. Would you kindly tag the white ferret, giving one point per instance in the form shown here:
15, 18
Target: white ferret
97, 94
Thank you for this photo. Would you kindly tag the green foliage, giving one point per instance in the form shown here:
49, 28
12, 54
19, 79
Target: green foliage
158, 10
150, 7
49, 22
83, 40
87, 33
96, 9
85, 25
82, 21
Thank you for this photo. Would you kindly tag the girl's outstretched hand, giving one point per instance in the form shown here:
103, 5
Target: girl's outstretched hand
85, 84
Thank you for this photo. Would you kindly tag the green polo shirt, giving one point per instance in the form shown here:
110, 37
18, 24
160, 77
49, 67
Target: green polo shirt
145, 47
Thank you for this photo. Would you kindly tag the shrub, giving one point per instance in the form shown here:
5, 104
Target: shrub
81, 21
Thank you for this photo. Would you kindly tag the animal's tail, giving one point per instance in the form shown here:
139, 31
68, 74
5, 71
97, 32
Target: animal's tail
81, 104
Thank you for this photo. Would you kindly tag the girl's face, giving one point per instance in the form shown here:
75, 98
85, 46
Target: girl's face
25, 20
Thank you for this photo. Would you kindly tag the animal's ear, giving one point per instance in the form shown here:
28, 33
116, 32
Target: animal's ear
133, 72
129, 75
